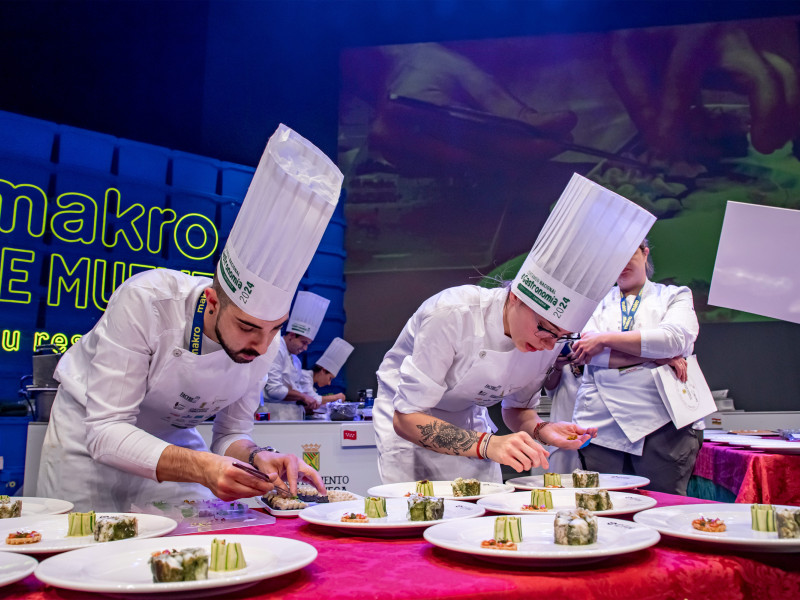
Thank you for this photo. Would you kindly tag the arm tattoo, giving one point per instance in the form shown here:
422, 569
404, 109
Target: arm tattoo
439, 434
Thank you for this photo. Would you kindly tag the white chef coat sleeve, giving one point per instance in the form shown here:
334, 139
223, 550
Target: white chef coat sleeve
116, 382
676, 332
307, 385
529, 397
603, 358
275, 388
423, 372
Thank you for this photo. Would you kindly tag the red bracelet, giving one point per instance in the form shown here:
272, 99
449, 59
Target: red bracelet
478, 445
537, 428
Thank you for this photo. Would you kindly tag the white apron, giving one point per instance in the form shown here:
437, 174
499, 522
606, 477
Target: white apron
183, 390
562, 460
492, 376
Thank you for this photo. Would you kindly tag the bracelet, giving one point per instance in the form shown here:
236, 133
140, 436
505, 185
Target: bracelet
251, 459
478, 445
537, 431
486, 446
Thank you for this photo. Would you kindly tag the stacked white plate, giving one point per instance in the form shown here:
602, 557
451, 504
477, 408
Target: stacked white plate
563, 499
441, 489
608, 481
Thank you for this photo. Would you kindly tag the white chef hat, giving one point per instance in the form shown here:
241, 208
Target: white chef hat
307, 314
335, 355
586, 242
284, 214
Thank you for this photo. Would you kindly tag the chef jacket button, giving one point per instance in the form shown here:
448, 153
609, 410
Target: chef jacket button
482, 354
176, 353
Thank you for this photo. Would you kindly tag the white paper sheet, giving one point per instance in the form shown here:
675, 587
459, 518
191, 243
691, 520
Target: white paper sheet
757, 268
685, 402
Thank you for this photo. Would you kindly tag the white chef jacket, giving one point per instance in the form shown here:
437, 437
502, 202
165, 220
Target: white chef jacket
563, 460
430, 369
624, 404
285, 372
307, 384
130, 388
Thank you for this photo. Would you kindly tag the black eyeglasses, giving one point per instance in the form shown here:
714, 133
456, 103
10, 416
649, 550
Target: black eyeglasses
560, 339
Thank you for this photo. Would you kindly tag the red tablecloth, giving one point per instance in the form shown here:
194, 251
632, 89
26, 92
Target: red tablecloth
361, 567
754, 476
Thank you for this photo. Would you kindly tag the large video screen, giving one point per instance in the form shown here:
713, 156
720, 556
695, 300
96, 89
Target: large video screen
454, 153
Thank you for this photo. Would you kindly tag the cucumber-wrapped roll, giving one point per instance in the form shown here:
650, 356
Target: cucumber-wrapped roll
375, 508
423, 508
542, 498
552, 480
80, 524
508, 529
425, 488
762, 517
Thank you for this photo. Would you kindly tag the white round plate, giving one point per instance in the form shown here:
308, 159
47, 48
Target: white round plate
511, 504
122, 568
776, 446
32, 506
275, 512
608, 481
441, 489
395, 523
14, 567
54, 530
538, 546
733, 439
676, 521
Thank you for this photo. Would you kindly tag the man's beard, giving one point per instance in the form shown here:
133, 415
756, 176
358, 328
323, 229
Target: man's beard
237, 356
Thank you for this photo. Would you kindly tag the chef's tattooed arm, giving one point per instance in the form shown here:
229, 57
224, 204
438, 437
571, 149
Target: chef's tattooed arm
436, 434
441, 434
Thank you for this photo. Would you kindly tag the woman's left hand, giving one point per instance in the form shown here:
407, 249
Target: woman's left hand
590, 344
566, 435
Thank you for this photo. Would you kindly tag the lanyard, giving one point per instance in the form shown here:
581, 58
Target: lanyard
196, 339
627, 315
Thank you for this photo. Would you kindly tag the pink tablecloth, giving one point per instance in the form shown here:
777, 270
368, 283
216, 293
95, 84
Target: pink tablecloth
754, 476
360, 567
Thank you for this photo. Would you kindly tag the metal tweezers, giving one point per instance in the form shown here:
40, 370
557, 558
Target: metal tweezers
256, 473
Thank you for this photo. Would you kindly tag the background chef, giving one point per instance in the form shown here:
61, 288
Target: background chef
283, 385
172, 350
326, 369
469, 347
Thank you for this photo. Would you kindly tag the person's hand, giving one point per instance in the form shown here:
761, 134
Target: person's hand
562, 361
227, 482
590, 344
659, 76
566, 435
310, 402
333, 398
681, 368
518, 451
288, 468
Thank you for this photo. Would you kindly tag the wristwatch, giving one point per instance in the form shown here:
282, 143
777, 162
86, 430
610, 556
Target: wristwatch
251, 459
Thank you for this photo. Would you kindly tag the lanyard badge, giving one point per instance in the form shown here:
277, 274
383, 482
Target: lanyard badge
196, 339
627, 315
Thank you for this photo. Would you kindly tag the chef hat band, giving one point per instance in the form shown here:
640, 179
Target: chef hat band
290, 200
307, 314
587, 240
335, 356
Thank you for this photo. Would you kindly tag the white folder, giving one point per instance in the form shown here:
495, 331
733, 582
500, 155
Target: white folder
685, 402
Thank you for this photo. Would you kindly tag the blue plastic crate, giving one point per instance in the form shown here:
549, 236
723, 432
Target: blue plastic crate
87, 149
235, 180
194, 173
26, 137
13, 437
143, 162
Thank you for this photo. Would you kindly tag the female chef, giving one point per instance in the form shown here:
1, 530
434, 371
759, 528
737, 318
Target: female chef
638, 326
468, 348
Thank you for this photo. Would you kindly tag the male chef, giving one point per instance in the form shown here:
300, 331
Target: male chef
172, 350
283, 388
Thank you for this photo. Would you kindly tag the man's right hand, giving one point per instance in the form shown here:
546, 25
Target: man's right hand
517, 450
229, 483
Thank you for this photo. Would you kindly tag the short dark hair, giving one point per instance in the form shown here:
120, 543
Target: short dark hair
222, 296
317, 369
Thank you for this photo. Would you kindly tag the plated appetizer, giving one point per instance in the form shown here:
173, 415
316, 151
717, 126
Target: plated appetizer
552, 480
507, 534
709, 525
375, 507
762, 517
424, 508
226, 557
787, 523
594, 500
354, 518
9, 508
23, 537
81, 524
585, 479
111, 529
425, 488
466, 487
575, 527
189, 564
